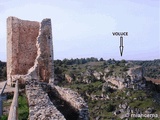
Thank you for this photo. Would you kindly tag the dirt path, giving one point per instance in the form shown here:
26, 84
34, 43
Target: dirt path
7, 89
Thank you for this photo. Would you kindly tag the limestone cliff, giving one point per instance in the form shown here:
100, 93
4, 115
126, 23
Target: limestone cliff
132, 78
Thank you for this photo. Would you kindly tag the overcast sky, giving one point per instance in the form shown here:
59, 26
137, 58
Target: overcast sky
83, 28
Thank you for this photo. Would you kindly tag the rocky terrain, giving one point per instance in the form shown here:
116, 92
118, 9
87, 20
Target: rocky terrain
113, 89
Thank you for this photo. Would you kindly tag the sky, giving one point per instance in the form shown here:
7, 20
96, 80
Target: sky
83, 28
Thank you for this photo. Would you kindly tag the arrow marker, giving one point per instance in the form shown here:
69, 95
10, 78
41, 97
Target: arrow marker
121, 34
121, 45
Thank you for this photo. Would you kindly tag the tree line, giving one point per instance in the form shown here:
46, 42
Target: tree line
76, 61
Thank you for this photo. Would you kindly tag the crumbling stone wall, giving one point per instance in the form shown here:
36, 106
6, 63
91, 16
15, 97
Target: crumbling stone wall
74, 99
29, 49
30, 61
40, 106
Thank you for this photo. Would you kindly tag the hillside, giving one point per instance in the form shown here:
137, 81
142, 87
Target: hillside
113, 89
152, 70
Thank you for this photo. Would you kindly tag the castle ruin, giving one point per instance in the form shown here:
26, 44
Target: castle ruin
29, 49
30, 61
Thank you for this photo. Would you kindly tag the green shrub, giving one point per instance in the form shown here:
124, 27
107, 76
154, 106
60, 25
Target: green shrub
3, 117
23, 109
110, 108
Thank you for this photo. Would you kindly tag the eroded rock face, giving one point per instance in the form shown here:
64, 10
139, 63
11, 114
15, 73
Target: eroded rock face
117, 83
29, 49
136, 73
97, 75
68, 78
133, 80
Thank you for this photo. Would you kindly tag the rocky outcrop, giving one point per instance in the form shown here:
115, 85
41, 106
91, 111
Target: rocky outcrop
68, 78
133, 79
97, 75
136, 73
115, 83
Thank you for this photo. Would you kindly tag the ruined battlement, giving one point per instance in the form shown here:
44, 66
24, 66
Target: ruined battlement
30, 61
29, 49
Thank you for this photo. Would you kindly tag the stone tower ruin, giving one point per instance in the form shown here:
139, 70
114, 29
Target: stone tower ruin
29, 50
30, 62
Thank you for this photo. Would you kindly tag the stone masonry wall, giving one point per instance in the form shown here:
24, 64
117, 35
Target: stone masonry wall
21, 46
43, 68
75, 100
30, 61
40, 106
29, 49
